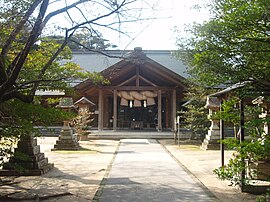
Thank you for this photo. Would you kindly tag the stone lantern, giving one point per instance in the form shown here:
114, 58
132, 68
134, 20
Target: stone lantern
211, 139
83, 104
66, 139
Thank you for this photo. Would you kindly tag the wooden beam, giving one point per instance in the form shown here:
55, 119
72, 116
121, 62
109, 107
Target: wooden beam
173, 109
140, 88
114, 110
147, 81
127, 81
159, 72
100, 110
137, 76
159, 111
165, 75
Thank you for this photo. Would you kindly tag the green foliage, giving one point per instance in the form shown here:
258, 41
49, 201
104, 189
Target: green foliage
230, 111
233, 46
195, 115
264, 198
18, 119
246, 151
251, 151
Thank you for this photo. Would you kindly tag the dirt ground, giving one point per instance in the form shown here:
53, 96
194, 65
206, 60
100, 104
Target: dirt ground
76, 175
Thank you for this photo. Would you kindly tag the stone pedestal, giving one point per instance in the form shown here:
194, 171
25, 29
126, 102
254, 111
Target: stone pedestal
211, 139
67, 140
27, 159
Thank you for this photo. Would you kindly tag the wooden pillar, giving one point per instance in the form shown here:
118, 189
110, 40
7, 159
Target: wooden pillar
167, 111
114, 110
106, 105
159, 111
173, 109
100, 110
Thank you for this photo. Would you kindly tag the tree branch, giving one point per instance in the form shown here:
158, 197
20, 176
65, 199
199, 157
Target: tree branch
62, 10
11, 38
31, 40
47, 65
95, 51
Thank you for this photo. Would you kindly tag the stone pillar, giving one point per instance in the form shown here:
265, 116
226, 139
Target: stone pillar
213, 135
27, 159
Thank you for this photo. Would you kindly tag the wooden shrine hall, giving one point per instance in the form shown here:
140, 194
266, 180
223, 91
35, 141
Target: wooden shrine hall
141, 94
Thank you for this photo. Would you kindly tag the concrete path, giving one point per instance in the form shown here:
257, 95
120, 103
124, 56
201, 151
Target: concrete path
144, 171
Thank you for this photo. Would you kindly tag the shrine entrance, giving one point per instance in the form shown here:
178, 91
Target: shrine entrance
142, 94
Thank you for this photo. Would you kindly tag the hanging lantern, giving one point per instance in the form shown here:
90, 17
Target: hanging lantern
137, 103
150, 101
130, 104
123, 102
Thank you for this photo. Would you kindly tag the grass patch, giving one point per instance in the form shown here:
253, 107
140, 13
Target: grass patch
82, 150
189, 147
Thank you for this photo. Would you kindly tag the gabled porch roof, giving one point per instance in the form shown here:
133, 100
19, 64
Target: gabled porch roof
137, 71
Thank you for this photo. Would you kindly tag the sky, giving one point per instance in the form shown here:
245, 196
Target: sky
157, 33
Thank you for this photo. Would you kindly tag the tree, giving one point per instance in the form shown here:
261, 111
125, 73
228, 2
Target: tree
24, 42
31, 60
195, 115
233, 46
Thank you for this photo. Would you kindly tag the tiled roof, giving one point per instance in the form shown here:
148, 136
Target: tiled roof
96, 62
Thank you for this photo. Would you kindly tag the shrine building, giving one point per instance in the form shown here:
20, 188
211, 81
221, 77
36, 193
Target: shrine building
143, 93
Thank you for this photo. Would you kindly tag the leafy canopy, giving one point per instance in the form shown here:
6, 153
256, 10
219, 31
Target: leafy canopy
233, 46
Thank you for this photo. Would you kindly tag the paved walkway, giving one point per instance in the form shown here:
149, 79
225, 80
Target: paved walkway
144, 171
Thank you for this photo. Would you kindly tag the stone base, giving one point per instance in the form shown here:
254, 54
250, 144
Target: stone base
211, 141
66, 141
27, 159
210, 146
30, 172
256, 188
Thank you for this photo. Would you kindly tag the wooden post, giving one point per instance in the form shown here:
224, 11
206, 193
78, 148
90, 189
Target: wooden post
159, 111
167, 119
221, 137
242, 138
100, 110
114, 110
173, 109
